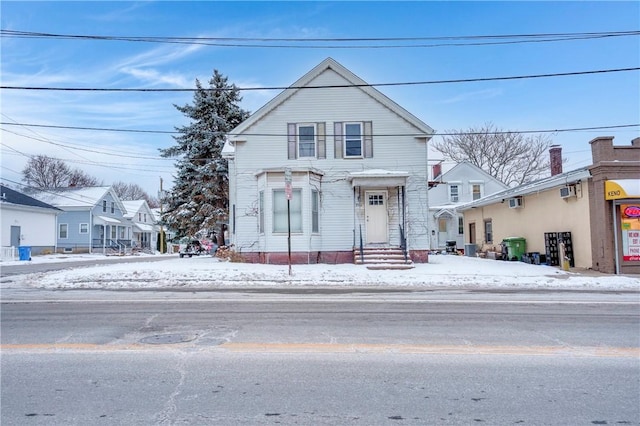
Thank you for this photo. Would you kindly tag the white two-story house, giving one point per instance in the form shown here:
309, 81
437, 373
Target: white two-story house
462, 184
328, 165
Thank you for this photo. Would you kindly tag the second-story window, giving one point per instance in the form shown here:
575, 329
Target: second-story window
104, 206
353, 140
113, 207
306, 141
454, 193
476, 191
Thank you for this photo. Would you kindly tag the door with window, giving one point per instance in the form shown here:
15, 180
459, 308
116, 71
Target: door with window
376, 217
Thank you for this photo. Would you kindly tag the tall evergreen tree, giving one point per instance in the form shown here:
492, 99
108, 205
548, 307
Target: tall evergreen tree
199, 199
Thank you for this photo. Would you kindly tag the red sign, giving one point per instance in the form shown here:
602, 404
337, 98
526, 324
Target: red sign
632, 211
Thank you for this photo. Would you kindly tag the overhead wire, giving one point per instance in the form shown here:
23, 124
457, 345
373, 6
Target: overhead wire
330, 86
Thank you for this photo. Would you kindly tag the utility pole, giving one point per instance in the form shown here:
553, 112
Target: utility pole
161, 194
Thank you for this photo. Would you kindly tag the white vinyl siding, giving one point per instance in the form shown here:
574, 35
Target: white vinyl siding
280, 217
261, 213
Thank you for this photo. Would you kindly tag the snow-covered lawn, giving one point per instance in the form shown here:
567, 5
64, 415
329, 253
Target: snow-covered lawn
442, 271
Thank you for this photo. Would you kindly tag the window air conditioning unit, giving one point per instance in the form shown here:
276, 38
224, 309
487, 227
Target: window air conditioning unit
515, 203
568, 191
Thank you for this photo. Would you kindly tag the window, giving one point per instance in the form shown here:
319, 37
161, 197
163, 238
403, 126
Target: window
353, 140
139, 217
113, 207
122, 232
315, 217
280, 211
261, 212
453, 193
63, 231
145, 218
476, 191
104, 206
113, 232
84, 228
488, 232
442, 224
460, 225
306, 141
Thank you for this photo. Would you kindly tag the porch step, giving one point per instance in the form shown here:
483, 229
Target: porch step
382, 258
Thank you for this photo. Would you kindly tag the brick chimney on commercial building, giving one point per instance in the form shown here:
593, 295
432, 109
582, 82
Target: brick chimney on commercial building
555, 157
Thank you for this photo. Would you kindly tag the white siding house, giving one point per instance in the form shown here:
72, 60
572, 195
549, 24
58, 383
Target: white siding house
26, 221
462, 184
142, 219
356, 163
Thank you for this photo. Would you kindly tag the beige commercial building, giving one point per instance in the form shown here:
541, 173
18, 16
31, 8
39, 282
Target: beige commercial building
589, 216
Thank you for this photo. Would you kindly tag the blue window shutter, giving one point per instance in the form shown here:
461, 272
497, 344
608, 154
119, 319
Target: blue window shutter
291, 141
368, 139
322, 140
337, 140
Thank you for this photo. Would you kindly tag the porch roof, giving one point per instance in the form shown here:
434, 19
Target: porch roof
378, 178
143, 227
105, 220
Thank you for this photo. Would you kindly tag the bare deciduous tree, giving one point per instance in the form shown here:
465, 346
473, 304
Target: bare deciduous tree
45, 172
133, 191
511, 157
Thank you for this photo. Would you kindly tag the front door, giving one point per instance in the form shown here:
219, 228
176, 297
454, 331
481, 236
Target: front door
376, 217
15, 236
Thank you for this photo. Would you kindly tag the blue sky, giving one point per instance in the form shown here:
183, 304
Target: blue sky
529, 104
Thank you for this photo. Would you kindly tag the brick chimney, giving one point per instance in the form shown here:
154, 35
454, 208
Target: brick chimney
555, 157
436, 170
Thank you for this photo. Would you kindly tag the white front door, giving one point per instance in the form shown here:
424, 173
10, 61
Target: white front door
376, 217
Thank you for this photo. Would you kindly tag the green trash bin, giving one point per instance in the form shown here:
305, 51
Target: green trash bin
516, 247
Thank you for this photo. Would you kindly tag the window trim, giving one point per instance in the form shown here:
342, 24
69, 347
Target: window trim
273, 210
315, 211
457, 196
80, 231
104, 206
66, 230
315, 140
113, 207
346, 138
488, 236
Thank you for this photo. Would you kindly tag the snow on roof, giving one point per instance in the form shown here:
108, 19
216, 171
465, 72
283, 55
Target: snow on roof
72, 197
132, 207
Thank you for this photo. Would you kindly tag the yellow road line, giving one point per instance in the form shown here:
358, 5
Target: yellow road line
335, 348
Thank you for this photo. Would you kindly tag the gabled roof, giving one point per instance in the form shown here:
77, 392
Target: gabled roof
87, 197
529, 188
475, 168
10, 196
133, 206
352, 80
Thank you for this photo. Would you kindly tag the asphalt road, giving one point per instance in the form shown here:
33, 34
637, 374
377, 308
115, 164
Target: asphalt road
414, 358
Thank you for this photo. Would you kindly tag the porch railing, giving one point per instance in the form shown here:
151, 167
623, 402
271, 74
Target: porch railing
361, 246
403, 244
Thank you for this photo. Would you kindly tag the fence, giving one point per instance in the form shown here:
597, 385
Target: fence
9, 254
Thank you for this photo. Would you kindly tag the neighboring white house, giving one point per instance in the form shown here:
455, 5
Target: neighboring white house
353, 161
26, 221
145, 231
92, 219
461, 184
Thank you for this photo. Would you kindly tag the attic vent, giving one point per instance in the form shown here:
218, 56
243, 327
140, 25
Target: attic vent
515, 203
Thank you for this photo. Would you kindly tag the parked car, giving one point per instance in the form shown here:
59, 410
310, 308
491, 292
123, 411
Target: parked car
192, 248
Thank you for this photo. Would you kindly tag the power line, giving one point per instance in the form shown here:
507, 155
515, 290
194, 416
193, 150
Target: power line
339, 43
337, 86
561, 130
